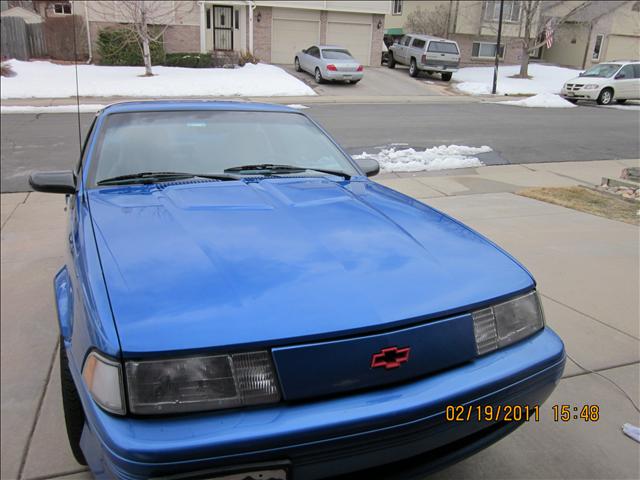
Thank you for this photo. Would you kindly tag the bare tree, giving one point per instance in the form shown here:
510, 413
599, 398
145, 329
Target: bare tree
536, 27
146, 20
429, 22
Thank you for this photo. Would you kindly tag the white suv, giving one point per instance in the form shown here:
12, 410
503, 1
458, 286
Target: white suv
618, 80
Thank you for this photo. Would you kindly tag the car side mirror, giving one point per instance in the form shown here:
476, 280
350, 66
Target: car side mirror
53, 182
620, 75
304, 50
581, 74
368, 166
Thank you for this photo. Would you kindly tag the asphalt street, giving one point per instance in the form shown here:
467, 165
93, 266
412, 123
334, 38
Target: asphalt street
517, 135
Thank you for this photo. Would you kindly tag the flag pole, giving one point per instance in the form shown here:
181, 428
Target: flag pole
495, 68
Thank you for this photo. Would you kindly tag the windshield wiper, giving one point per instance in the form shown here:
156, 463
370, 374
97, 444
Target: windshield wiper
260, 167
151, 177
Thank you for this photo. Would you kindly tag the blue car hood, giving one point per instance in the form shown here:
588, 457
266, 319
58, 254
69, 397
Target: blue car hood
243, 264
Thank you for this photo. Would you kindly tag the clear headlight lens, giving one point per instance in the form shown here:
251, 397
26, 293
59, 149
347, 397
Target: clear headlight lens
591, 86
103, 378
505, 323
201, 383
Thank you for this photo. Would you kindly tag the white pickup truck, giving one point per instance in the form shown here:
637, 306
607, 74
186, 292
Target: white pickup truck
425, 53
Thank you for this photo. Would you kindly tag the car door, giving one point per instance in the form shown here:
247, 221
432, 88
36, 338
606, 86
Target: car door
416, 49
305, 59
399, 49
624, 83
635, 94
313, 59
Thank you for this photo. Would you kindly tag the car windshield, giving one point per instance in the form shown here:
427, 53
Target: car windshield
604, 70
443, 47
336, 54
209, 142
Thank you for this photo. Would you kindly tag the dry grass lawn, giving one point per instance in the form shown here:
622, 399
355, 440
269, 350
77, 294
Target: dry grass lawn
588, 201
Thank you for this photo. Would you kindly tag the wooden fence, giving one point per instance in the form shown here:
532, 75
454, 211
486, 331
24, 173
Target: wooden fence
22, 40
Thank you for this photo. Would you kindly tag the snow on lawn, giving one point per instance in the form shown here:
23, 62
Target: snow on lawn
546, 79
437, 158
48, 80
542, 100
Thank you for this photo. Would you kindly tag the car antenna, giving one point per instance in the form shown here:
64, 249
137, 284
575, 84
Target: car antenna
75, 64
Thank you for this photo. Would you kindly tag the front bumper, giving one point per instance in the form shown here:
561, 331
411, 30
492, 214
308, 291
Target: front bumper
332, 436
581, 94
342, 76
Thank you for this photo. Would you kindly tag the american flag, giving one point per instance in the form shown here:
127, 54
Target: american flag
548, 34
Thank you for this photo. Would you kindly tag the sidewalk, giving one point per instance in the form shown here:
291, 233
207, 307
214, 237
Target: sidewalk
587, 272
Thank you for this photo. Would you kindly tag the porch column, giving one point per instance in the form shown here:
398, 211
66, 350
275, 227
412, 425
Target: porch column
203, 20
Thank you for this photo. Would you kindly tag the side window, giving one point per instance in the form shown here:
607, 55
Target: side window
417, 43
406, 41
625, 72
636, 70
314, 52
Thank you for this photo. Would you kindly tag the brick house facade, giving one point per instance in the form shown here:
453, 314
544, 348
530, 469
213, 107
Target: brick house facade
272, 30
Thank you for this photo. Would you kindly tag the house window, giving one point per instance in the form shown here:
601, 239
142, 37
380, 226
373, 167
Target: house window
486, 50
208, 19
237, 19
511, 11
396, 8
597, 47
62, 8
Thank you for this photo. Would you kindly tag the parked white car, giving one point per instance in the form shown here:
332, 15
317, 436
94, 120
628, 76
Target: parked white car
425, 53
326, 62
618, 80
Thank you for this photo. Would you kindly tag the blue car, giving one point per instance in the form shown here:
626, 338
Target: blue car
239, 300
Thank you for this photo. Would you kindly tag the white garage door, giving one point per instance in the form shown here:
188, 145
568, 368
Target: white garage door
619, 47
353, 32
292, 31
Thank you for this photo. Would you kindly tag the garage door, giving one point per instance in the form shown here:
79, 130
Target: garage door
353, 32
291, 31
622, 48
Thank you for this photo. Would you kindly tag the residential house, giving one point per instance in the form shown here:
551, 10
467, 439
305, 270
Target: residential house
473, 24
272, 30
29, 16
603, 31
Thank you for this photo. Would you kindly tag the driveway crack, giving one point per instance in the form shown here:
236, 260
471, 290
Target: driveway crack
590, 317
23, 461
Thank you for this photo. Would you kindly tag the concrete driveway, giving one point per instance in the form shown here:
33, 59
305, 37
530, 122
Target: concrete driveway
587, 272
379, 81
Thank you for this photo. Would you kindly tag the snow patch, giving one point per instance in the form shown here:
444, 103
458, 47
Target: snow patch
623, 107
41, 79
85, 108
542, 100
545, 79
298, 106
442, 157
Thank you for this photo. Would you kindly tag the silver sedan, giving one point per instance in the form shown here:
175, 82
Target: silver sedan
326, 62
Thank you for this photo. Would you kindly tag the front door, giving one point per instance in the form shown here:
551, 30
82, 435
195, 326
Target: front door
222, 28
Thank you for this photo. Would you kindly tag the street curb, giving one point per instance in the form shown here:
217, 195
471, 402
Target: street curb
328, 99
